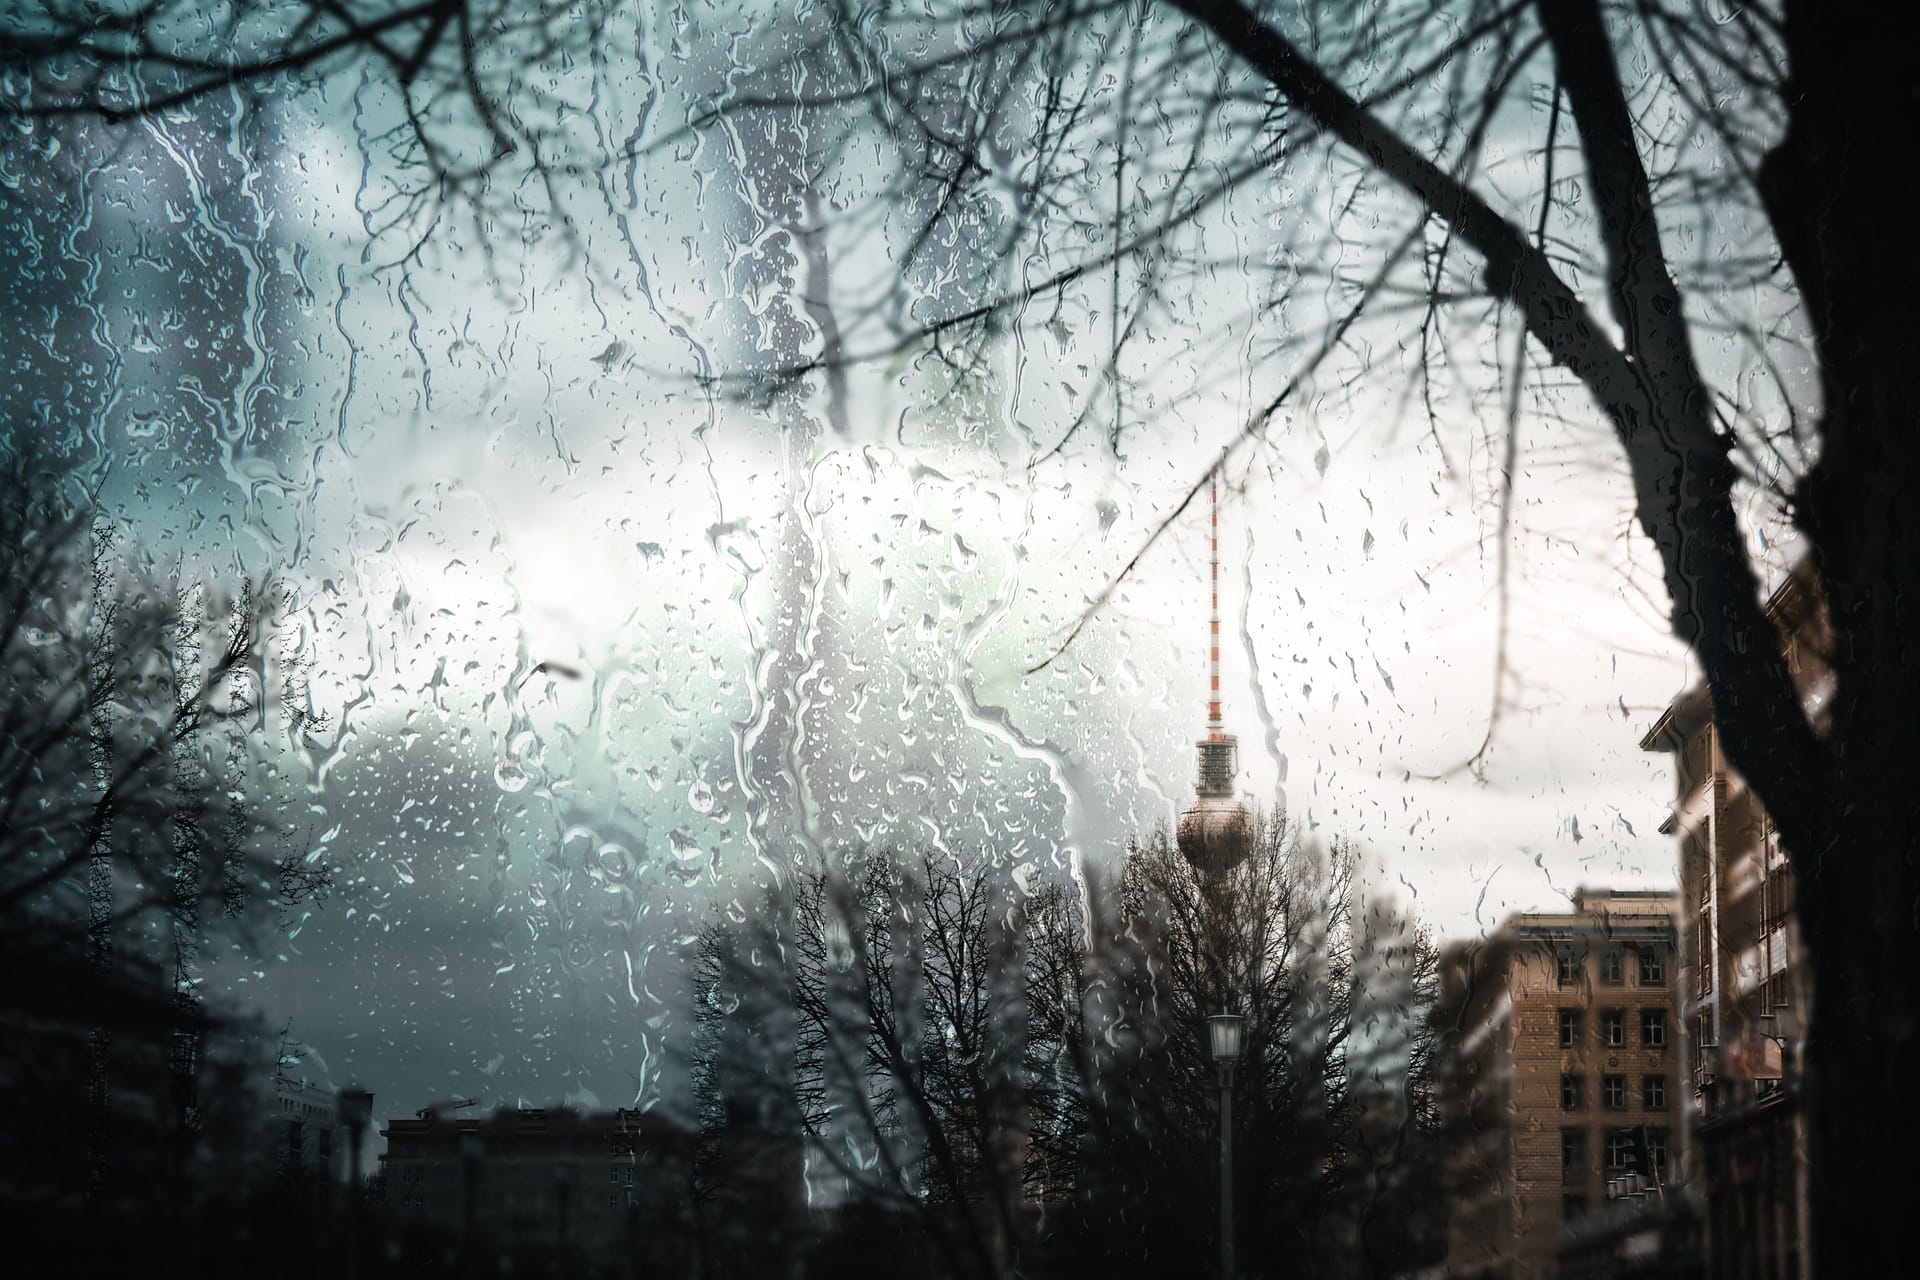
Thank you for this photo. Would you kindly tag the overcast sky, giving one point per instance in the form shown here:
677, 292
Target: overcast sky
595, 647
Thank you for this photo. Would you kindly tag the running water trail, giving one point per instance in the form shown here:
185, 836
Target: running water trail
1269, 728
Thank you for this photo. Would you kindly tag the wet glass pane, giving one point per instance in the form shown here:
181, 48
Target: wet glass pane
979, 639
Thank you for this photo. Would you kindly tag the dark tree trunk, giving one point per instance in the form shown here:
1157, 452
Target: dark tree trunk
1838, 190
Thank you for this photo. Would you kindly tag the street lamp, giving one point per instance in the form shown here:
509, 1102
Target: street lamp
472, 1147
1226, 1037
563, 1175
356, 1113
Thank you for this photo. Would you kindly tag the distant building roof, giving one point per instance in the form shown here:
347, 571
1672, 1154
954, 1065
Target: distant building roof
1597, 912
534, 1123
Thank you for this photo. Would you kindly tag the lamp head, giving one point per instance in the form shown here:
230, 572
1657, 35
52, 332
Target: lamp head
356, 1107
1226, 1036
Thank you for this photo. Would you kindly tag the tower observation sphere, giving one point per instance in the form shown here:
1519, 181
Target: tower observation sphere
1216, 831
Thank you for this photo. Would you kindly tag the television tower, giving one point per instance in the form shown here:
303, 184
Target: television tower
1216, 831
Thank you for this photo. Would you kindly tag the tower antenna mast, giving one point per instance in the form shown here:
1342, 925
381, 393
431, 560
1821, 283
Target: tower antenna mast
1215, 832
1213, 626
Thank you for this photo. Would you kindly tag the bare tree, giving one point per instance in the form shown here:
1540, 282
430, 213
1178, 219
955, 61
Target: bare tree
1714, 163
965, 1061
1331, 1117
469, 108
909, 1061
128, 840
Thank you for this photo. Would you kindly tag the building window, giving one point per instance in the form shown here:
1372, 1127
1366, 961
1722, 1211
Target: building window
1613, 1092
1566, 969
1653, 967
1573, 1154
1573, 1090
1569, 1028
1572, 1205
1620, 1150
1613, 1027
613, 1172
1657, 1150
1653, 1092
1776, 900
1653, 1028
1702, 957
1613, 968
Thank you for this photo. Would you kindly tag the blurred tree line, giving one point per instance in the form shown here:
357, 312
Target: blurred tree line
976, 1080
132, 841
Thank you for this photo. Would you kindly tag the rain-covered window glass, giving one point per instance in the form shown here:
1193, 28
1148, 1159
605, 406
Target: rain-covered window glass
1001, 637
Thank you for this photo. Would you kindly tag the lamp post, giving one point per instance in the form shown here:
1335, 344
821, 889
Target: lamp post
562, 1189
356, 1112
1226, 1034
472, 1146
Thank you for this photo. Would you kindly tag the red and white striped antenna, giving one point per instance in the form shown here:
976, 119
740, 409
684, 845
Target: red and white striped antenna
1215, 830
1213, 626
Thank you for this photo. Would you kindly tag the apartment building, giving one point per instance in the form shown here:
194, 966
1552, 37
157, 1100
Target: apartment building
1742, 976
1559, 1076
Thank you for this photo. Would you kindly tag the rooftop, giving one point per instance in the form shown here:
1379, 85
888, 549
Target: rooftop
534, 1122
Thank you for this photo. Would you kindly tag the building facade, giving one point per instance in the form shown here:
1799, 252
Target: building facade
1742, 977
1559, 1076
603, 1189
306, 1115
